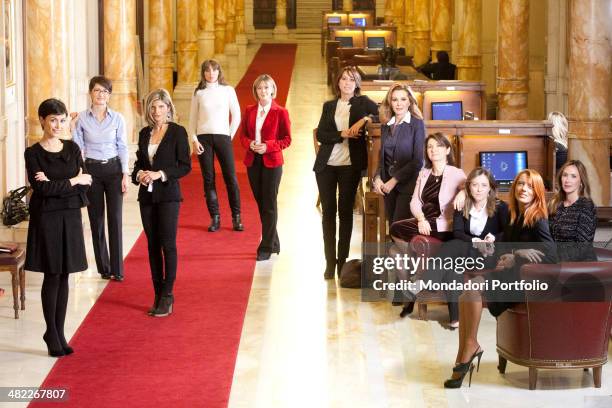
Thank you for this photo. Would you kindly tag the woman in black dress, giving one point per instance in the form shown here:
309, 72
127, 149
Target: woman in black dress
55, 234
402, 152
528, 224
162, 158
341, 159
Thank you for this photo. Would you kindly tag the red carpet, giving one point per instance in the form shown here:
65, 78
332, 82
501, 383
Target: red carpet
124, 358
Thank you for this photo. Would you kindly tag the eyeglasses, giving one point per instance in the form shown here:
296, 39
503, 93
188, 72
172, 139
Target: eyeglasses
101, 91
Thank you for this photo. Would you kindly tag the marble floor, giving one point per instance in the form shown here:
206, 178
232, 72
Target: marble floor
306, 342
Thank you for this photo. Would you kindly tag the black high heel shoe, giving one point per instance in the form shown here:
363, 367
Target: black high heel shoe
408, 306
462, 369
53, 352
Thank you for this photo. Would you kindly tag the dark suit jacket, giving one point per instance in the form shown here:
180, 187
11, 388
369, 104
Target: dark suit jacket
439, 71
328, 134
275, 133
495, 224
409, 154
172, 157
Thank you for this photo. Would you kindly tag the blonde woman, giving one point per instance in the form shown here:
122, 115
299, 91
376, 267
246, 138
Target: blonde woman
162, 158
559, 132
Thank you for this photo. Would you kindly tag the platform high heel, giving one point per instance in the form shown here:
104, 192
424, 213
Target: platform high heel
462, 369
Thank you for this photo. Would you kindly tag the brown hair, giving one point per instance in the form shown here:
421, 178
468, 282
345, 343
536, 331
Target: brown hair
353, 73
264, 78
210, 63
491, 198
441, 140
386, 108
560, 195
103, 81
537, 210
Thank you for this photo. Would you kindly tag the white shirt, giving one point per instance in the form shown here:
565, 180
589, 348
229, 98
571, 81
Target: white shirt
405, 119
210, 109
478, 220
341, 155
259, 121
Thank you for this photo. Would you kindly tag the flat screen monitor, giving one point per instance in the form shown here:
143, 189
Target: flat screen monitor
331, 20
504, 165
345, 41
447, 110
376, 42
359, 21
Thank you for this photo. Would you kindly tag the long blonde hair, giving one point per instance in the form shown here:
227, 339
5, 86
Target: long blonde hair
560, 127
385, 110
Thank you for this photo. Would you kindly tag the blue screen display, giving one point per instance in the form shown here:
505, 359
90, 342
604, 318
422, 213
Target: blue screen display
447, 110
359, 21
345, 41
333, 20
504, 165
376, 42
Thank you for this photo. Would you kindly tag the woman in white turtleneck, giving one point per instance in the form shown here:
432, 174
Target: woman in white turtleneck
212, 132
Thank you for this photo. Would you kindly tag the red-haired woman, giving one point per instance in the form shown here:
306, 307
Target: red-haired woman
528, 223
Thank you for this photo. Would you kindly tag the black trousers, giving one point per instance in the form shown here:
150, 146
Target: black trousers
105, 191
345, 179
54, 299
264, 183
221, 145
160, 223
397, 205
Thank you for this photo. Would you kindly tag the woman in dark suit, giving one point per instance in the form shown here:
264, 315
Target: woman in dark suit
402, 152
528, 225
162, 158
341, 159
266, 131
55, 234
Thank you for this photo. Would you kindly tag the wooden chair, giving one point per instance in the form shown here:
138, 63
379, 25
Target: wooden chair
14, 263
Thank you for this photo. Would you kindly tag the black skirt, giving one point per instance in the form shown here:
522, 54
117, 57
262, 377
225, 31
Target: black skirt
55, 242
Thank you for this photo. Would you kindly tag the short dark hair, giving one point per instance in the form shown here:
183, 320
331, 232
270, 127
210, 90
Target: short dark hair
441, 140
102, 81
52, 106
443, 57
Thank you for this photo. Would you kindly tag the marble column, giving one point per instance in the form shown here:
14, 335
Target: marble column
281, 30
4, 160
441, 27
206, 30
120, 60
230, 29
47, 66
409, 24
398, 20
469, 59
220, 23
420, 35
590, 73
241, 38
513, 60
187, 57
347, 5
556, 56
389, 11
160, 45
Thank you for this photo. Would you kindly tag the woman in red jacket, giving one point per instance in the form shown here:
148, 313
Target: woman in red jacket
266, 131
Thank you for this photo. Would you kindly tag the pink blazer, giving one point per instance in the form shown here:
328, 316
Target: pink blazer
453, 180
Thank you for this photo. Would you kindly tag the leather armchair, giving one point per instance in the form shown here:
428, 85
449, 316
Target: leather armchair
426, 246
551, 333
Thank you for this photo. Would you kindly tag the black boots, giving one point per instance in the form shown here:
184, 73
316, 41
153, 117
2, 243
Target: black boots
237, 223
164, 307
215, 223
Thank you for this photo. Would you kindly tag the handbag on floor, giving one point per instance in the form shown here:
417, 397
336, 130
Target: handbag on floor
14, 208
350, 275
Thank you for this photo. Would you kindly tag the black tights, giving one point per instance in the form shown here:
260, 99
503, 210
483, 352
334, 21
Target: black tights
54, 296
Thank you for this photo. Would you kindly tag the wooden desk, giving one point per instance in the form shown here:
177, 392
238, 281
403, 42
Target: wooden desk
14, 264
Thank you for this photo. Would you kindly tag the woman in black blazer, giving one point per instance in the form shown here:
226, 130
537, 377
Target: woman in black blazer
342, 157
162, 158
55, 233
402, 151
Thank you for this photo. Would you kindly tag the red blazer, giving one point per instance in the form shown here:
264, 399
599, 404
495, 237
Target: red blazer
275, 133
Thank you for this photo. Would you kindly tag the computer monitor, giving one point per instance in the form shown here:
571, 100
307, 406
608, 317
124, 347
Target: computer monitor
376, 42
359, 21
504, 165
447, 110
334, 20
345, 41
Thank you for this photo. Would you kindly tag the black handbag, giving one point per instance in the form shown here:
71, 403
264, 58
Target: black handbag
14, 208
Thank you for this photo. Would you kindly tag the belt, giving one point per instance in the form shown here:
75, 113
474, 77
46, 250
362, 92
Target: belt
94, 161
